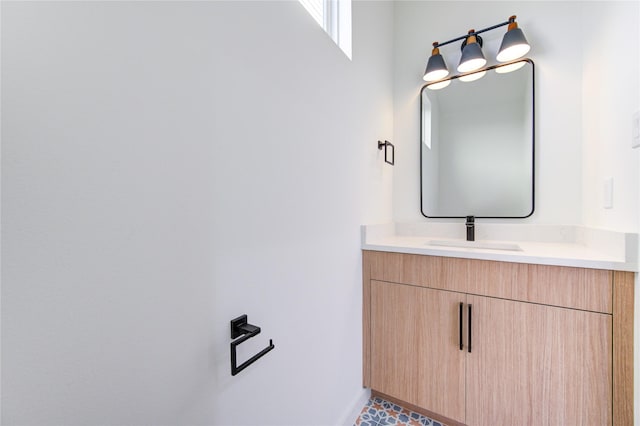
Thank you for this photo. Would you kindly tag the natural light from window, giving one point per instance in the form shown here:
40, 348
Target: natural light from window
334, 16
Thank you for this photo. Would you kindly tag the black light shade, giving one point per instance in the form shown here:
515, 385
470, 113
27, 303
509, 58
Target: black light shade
514, 44
513, 47
436, 67
472, 57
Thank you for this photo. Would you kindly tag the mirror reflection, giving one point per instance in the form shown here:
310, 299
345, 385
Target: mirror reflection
477, 144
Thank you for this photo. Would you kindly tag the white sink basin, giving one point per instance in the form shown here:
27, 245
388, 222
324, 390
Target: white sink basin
475, 244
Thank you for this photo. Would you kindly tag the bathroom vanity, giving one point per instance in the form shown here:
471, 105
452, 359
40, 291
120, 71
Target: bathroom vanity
533, 331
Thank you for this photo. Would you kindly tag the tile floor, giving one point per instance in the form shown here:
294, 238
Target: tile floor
379, 412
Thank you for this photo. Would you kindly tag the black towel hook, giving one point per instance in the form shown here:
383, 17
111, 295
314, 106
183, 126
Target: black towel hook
240, 327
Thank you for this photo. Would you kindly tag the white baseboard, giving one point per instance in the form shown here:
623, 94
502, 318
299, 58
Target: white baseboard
353, 410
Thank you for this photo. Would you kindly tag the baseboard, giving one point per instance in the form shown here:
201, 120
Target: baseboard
351, 413
419, 410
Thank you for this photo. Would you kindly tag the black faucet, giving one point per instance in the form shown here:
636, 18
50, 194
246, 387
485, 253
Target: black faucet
471, 230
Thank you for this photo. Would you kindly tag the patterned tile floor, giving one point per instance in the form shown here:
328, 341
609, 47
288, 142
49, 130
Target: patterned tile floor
379, 412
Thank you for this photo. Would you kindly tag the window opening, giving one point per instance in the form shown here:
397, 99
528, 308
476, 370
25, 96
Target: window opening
334, 16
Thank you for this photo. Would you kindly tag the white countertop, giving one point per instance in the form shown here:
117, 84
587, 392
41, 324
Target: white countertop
538, 244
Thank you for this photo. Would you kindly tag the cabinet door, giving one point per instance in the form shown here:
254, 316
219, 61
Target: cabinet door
535, 364
415, 353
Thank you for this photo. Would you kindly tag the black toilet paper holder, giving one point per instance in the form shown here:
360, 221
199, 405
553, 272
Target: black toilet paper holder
240, 327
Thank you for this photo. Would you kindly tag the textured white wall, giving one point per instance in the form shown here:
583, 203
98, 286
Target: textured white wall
165, 168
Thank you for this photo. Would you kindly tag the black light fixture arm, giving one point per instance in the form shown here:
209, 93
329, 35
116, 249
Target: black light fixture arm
484, 30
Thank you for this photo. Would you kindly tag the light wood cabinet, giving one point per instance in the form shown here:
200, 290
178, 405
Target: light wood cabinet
536, 364
544, 340
410, 328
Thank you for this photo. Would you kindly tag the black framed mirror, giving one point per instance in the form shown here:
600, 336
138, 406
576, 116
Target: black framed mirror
477, 144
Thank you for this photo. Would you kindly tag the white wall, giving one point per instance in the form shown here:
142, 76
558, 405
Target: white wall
610, 93
586, 92
165, 168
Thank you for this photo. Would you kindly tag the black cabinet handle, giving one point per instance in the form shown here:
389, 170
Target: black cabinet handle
469, 342
460, 322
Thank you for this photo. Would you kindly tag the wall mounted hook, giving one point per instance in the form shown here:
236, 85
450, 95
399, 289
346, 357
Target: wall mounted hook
385, 145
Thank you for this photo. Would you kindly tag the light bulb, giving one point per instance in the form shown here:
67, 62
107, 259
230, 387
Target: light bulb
439, 85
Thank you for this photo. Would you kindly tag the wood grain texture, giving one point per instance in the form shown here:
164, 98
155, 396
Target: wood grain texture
415, 347
534, 364
483, 277
403, 268
394, 333
366, 319
577, 288
623, 303
538, 373
441, 371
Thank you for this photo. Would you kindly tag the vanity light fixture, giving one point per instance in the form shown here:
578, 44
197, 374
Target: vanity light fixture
514, 45
439, 85
510, 67
436, 68
472, 76
472, 57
